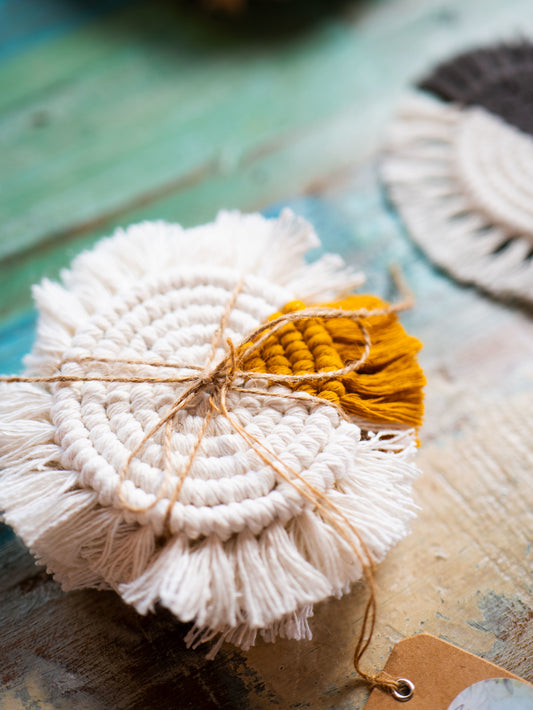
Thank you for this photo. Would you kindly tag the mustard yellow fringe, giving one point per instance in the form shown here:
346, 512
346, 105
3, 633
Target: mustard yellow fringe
388, 386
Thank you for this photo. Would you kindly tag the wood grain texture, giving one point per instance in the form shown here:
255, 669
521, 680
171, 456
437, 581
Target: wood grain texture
152, 111
155, 111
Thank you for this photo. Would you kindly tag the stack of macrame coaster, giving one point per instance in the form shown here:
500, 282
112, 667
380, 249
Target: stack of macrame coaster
459, 166
167, 449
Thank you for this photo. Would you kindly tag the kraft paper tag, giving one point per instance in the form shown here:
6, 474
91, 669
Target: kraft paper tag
439, 671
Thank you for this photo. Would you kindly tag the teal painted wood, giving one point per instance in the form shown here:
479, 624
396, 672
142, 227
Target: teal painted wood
26, 23
151, 111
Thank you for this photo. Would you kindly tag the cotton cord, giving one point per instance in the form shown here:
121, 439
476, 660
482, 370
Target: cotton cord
214, 517
219, 380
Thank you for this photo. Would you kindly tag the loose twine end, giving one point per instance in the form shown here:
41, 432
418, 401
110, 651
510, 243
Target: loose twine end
229, 375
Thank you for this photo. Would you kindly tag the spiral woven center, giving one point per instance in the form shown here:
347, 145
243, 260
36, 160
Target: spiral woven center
228, 487
495, 164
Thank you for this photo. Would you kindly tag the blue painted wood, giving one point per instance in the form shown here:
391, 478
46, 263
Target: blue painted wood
16, 339
27, 23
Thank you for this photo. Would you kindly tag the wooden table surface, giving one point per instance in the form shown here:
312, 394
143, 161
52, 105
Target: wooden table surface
112, 112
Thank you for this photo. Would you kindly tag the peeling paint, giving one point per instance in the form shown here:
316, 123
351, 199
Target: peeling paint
511, 623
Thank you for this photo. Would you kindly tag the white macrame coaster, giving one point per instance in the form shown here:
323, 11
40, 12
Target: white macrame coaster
244, 551
462, 180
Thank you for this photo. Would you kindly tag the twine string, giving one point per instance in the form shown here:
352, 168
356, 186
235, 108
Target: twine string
226, 377
331, 512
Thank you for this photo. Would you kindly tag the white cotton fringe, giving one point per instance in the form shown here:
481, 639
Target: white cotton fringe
247, 554
462, 179
231, 589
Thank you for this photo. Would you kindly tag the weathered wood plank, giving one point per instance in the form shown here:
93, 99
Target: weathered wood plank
151, 100
167, 122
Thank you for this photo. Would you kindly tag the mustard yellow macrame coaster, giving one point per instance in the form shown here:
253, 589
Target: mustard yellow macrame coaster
190, 434
386, 388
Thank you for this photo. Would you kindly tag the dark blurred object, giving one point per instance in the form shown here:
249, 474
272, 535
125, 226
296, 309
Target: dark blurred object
498, 78
228, 6
263, 8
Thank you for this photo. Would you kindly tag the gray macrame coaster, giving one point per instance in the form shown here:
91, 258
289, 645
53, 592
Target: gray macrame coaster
458, 165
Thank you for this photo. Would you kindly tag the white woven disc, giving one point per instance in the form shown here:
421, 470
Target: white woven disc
462, 179
229, 488
240, 549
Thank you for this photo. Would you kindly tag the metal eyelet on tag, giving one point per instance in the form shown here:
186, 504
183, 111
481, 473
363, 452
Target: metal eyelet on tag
413, 662
404, 691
